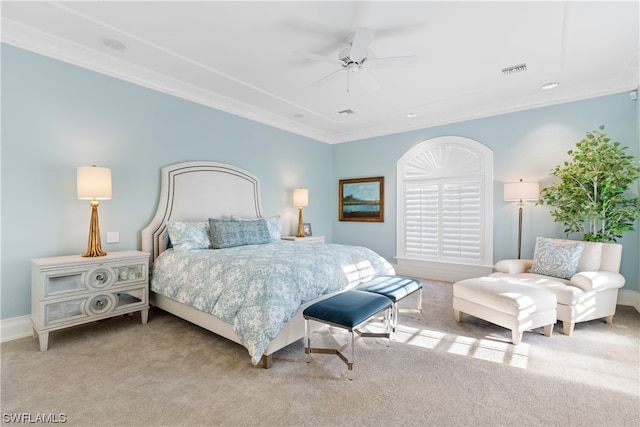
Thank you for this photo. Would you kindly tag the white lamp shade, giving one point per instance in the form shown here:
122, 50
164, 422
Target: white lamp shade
94, 183
516, 191
300, 197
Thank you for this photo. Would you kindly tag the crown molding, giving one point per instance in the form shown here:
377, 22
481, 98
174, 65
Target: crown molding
27, 38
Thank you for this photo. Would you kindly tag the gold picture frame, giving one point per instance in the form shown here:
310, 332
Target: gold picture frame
361, 199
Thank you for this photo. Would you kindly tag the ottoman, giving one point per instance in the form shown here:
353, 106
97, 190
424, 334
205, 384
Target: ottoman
514, 306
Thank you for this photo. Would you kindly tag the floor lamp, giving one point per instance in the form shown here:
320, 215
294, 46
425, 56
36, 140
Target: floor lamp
521, 192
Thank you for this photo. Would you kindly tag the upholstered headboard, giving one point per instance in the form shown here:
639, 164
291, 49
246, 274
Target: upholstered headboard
197, 191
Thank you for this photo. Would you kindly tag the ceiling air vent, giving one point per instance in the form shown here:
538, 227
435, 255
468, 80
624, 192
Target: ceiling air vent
514, 69
347, 112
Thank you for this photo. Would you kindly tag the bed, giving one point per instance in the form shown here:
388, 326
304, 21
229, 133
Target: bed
252, 292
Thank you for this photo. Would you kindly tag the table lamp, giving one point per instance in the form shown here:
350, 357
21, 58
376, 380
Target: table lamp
300, 199
94, 184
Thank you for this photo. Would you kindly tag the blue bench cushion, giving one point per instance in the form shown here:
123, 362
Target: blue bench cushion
347, 309
393, 287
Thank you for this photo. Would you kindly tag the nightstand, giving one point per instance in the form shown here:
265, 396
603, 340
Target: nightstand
72, 290
307, 239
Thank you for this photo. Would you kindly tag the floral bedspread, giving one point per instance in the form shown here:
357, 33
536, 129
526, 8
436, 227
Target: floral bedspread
258, 288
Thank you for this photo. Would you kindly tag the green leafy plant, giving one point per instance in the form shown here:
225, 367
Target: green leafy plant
592, 195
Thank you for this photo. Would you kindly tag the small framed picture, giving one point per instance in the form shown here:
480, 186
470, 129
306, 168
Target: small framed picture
362, 199
306, 229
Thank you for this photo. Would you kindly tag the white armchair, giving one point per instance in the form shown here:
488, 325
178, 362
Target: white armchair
590, 293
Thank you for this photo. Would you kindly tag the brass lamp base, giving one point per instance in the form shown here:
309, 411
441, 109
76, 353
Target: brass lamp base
300, 227
94, 248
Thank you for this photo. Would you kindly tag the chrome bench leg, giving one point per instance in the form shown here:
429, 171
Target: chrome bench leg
307, 341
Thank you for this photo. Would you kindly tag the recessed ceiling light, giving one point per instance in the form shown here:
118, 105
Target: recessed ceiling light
411, 115
114, 44
550, 85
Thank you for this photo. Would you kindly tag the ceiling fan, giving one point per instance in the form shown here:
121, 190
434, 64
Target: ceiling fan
354, 61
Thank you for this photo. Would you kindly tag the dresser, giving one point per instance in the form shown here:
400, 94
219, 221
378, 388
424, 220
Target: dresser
72, 290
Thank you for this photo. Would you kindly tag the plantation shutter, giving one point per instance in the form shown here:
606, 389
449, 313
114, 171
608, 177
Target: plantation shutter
443, 220
445, 203
461, 221
422, 220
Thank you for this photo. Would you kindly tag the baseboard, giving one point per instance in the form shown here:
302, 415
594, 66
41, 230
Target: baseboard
628, 297
14, 328
20, 327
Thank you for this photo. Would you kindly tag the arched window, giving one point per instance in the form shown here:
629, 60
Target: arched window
445, 199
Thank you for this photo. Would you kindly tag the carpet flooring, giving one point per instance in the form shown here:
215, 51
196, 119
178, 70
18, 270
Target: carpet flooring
436, 372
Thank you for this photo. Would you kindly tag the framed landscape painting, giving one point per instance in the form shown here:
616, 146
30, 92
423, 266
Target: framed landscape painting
362, 199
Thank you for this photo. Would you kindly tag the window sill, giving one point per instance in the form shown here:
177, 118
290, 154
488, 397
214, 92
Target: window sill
443, 271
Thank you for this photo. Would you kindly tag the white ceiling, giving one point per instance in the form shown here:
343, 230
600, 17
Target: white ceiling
239, 57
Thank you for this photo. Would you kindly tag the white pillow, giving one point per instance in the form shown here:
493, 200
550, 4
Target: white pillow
188, 236
550, 259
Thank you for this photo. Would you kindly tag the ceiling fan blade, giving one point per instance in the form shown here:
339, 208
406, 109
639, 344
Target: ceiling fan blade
367, 80
392, 62
326, 78
361, 42
315, 57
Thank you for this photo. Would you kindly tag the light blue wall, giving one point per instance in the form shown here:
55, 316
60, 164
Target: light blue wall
525, 144
56, 117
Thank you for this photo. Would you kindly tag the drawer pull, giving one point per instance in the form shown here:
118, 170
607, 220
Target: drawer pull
100, 304
101, 277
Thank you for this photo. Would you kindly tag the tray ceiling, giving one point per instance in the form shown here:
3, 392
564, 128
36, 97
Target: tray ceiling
475, 59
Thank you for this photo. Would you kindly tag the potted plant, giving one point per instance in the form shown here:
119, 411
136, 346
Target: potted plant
592, 196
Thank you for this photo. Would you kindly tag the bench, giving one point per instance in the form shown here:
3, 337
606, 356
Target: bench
396, 288
347, 310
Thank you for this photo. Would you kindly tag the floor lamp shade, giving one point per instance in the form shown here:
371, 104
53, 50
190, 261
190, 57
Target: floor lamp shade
94, 183
521, 192
300, 199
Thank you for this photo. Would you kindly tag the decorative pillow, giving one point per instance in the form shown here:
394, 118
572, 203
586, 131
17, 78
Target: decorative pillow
553, 260
227, 234
187, 236
591, 254
273, 224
